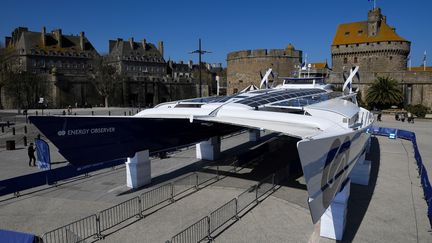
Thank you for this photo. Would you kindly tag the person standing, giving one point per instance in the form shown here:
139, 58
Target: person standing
31, 155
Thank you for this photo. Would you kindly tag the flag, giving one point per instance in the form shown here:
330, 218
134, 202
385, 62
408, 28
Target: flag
43, 155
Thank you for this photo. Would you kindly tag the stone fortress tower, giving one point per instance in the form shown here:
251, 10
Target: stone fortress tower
243, 67
373, 45
379, 51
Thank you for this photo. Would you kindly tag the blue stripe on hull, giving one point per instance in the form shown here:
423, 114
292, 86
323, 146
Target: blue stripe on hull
88, 140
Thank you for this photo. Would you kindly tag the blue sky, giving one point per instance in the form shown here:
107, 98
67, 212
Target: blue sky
224, 26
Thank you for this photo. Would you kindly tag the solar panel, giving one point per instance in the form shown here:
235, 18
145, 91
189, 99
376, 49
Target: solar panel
280, 95
308, 100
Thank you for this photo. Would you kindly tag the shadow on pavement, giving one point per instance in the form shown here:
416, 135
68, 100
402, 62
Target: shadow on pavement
360, 196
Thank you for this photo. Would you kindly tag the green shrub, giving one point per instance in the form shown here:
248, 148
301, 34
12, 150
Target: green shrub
419, 110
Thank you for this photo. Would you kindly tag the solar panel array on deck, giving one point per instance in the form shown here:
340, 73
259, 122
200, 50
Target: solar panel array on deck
280, 95
308, 100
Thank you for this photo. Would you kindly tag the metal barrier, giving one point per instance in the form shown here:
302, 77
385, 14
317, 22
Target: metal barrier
229, 210
156, 196
194, 233
206, 177
265, 185
72, 237
223, 214
113, 216
79, 230
185, 183
94, 225
246, 198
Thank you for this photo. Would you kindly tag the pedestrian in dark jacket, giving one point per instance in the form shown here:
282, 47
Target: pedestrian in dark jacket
31, 155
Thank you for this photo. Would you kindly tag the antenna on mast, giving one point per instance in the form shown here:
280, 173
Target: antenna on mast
200, 52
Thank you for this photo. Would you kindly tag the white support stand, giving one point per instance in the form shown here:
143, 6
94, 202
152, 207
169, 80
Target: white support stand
361, 172
138, 170
208, 150
254, 135
333, 220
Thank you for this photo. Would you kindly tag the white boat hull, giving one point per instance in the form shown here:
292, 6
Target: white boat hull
327, 163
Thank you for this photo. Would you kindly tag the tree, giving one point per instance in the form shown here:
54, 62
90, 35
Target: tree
104, 78
384, 92
24, 88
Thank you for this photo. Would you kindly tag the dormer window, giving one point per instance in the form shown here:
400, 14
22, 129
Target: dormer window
360, 32
347, 33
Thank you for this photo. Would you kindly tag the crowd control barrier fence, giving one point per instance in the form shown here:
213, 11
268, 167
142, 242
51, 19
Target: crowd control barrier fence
205, 227
424, 179
96, 225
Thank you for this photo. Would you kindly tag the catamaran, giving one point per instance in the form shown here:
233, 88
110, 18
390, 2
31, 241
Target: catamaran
330, 127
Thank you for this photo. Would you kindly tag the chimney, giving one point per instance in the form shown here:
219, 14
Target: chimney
8, 41
190, 64
82, 40
58, 36
43, 36
144, 43
131, 43
161, 48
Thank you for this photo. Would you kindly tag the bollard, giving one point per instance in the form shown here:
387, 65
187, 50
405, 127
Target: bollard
125, 113
75, 114
92, 113
36, 113
13, 130
25, 141
25, 129
109, 113
130, 113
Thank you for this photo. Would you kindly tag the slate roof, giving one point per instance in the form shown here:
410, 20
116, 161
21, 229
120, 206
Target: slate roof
357, 32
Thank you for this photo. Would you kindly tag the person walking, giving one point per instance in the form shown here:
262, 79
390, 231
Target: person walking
31, 155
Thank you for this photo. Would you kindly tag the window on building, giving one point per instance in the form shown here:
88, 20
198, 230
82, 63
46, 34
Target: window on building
390, 57
389, 42
345, 60
235, 91
355, 59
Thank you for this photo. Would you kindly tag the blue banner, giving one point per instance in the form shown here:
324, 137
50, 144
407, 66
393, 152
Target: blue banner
43, 155
8, 236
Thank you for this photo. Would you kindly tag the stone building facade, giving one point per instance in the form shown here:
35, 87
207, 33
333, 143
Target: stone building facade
379, 51
244, 67
63, 61
149, 79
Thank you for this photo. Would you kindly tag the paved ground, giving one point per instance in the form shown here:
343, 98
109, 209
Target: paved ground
390, 209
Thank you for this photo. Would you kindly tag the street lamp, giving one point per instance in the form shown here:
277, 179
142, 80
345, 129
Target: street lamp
200, 52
